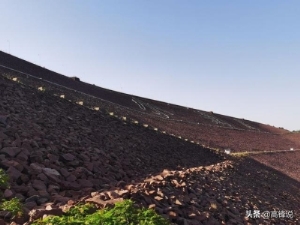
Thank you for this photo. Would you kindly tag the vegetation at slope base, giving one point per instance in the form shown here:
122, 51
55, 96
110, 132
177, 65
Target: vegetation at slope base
123, 213
13, 205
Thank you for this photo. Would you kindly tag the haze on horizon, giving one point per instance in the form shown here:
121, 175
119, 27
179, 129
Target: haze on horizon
237, 58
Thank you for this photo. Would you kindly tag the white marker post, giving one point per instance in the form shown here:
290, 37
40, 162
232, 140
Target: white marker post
227, 151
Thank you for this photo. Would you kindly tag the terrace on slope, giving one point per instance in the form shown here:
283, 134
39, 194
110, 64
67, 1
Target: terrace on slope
57, 151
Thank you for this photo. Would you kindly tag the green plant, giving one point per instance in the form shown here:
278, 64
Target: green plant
123, 213
14, 206
3, 179
81, 210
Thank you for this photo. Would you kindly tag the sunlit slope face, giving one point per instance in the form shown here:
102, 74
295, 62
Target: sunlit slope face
161, 109
285, 162
206, 128
294, 136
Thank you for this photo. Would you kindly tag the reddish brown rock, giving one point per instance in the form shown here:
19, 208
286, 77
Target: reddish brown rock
97, 200
52, 158
68, 157
8, 194
177, 202
158, 198
84, 183
122, 193
32, 191
20, 196
13, 173
26, 145
75, 186
158, 177
102, 203
71, 178
172, 214
60, 199
39, 213
121, 184
16, 143
13, 163
113, 194
20, 189
151, 206
22, 156
21, 219
176, 183
160, 193
24, 178
89, 165
53, 188
36, 168
129, 187
30, 205
148, 200
43, 193
5, 214
51, 172
64, 172
10, 151
43, 178
39, 185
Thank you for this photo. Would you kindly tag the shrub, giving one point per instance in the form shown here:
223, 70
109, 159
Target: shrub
14, 205
3, 179
124, 213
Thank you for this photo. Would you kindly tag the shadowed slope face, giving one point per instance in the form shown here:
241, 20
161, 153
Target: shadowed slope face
57, 126
56, 151
208, 128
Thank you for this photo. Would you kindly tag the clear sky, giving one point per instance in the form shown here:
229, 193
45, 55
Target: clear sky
238, 58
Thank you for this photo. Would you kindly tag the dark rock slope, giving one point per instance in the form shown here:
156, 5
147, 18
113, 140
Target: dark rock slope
207, 128
58, 153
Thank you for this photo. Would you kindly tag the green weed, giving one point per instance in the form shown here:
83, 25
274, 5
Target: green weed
14, 206
3, 179
123, 213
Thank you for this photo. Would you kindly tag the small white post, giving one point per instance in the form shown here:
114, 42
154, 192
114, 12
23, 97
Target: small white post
227, 151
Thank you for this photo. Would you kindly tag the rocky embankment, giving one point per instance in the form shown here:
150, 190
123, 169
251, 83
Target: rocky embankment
58, 154
209, 128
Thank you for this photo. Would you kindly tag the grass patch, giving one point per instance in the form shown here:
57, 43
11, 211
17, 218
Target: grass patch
123, 213
3, 179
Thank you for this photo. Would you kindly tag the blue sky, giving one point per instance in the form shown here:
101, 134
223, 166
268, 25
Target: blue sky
238, 58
